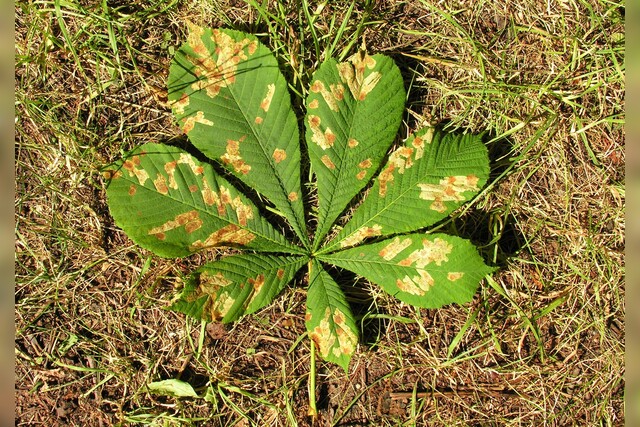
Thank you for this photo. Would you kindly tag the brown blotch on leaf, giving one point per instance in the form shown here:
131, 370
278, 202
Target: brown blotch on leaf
436, 251
313, 104
111, 174
332, 96
190, 220
259, 120
327, 162
230, 234
217, 71
347, 339
293, 196
232, 156
266, 102
280, 273
352, 143
193, 188
352, 73
180, 104
188, 123
222, 199
322, 336
399, 161
161, 184
211, 284
186, 159
209, 196
279, 155
364, 165
449, 189
453, 276
257, 283
323, 139
132, 190
314, 121
392, 250
317, 86
416, 285
131, 166
221, 306
170, 169
361, 234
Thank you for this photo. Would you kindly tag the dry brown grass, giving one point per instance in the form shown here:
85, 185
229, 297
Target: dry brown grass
541, 344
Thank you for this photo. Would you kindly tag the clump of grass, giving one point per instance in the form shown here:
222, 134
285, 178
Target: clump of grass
541, 343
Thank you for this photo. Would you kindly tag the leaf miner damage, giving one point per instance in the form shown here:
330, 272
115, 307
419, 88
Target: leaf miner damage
228, 235
232, 156
190, 220
331, 96
325, 139
333, 335
352, 73
216, 70
222, 199
449, 189
360, 234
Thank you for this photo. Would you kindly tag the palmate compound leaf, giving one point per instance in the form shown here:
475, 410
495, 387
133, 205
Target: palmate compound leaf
172, 204
329, 319
354, 110
233, 103
424, 270
423, 181
231, 100
237, 285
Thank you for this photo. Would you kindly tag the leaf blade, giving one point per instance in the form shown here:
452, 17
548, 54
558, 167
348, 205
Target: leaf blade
234, 286
353, 113
170, 203
424, 270
329, 320
423, 181
233, 103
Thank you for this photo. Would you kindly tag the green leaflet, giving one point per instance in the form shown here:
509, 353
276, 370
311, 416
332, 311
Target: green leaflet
424, 270
230, 98
423, 181
170, 203
329, 319
236, 285
353, 112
